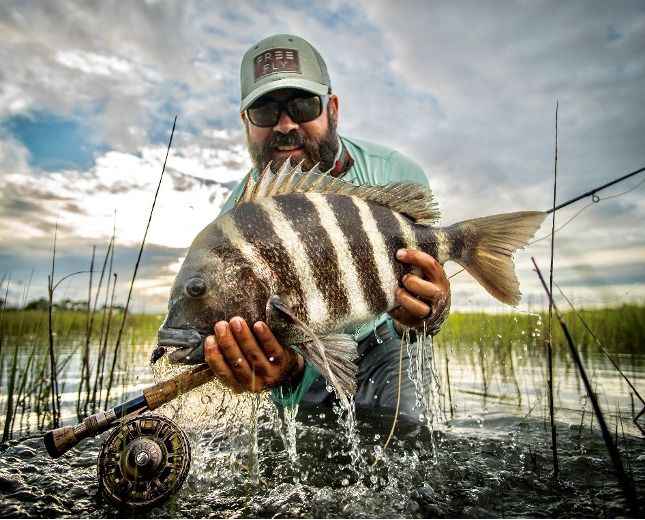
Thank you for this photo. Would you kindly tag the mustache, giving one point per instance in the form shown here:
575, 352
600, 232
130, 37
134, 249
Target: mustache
293, 138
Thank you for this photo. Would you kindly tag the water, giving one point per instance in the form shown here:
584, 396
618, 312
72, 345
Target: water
488, 453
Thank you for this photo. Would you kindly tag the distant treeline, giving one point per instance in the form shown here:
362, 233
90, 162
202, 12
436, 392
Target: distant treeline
41, 304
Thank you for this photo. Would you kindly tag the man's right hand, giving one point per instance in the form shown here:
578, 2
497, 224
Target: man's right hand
248, 361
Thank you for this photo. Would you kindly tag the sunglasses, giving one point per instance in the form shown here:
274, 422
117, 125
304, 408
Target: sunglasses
266, 113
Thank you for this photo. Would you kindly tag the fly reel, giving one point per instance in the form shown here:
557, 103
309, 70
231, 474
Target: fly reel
143, 462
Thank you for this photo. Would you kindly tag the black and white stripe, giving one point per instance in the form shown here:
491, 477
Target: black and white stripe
320, 252
291, 242
383, 259
349, 273
255, 226
348, 217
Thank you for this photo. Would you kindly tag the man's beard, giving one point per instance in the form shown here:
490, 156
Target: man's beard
321, 152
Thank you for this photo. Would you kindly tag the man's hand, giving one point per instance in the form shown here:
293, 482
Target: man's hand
249, 361
423, 297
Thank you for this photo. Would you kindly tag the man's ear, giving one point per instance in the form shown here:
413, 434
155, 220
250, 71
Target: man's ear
243, 117
333, 106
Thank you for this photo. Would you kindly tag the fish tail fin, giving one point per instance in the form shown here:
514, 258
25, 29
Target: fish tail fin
485, 246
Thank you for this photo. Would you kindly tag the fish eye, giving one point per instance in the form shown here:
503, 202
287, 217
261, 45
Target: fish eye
195, 287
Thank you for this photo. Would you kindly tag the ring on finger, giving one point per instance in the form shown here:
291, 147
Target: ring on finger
237, 363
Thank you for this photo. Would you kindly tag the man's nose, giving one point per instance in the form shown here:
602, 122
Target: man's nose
285, 124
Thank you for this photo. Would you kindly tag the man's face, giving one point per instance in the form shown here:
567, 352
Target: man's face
314, 141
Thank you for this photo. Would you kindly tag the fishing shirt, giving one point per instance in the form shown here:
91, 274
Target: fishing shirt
367, 163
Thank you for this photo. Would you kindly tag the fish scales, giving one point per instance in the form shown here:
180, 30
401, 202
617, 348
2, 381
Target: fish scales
360, 250
312, 256
292, 246
256, 227
320, 251
348, 272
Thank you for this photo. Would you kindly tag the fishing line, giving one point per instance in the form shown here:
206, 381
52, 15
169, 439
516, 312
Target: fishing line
404, 339
599, 343
595, 199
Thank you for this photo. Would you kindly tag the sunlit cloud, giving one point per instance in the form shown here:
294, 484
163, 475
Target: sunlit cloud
467, 90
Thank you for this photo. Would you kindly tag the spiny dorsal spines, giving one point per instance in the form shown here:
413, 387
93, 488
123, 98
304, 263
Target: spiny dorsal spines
414, 200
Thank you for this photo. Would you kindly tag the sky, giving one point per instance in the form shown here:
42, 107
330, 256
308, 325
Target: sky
468, 90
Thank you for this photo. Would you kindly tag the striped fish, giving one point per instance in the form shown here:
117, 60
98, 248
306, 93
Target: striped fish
312, 256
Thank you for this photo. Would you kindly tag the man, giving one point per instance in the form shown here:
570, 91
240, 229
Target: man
290, 113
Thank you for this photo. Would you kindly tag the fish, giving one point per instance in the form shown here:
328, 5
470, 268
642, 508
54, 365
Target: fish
313, 256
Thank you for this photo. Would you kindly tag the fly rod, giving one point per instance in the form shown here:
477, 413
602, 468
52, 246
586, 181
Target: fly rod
593, 192
61, 440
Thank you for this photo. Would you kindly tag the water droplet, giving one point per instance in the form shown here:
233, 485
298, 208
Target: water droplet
345, 482
271, 359
329, 389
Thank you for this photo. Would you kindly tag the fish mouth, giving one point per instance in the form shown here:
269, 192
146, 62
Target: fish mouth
185, 346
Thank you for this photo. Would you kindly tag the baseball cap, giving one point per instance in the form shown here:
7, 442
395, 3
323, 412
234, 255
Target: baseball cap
282, 61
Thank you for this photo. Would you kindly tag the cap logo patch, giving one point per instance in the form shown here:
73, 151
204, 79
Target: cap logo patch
276, 60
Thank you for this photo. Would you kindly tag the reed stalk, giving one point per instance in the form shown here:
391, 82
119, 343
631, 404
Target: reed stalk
90, 331
549, 349
6, 433
85, 363
136, 269
55, 396
105, 340
623, 479
100, 362
21, 386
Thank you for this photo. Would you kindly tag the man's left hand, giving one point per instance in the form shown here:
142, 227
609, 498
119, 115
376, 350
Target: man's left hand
422, 297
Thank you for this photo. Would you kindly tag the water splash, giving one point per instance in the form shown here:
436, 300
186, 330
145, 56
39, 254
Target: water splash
287, 428
423, 373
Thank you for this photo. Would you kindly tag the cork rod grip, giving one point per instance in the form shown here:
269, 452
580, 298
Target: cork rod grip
166, 391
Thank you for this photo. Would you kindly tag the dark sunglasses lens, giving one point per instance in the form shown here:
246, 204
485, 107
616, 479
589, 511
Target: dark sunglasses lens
303, 110
266, 114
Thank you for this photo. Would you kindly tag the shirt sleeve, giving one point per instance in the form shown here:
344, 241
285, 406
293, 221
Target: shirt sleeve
402, 168
232, 198
287, 396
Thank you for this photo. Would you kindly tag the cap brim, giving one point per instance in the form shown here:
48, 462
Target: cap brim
302, 84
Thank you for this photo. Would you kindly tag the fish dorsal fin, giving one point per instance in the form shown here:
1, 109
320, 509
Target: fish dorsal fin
410, 199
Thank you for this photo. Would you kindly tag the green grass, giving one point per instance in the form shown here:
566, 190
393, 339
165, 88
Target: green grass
496, 347
621, 329
22, 327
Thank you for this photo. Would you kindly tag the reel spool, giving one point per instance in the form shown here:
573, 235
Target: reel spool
143, 462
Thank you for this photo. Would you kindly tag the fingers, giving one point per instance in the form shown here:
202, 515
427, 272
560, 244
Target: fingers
247, 361
247, 343
413, 305
233, 355
403, 316
432, 269
218, 364
274, 352
422, 288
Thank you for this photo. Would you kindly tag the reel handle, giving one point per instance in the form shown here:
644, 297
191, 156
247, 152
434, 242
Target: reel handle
63, 439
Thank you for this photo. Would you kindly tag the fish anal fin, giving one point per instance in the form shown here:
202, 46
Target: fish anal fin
333, 355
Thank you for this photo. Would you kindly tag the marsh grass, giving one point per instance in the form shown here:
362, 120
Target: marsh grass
502, 348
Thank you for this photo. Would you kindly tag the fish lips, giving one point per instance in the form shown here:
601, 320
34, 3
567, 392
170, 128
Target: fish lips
188, 345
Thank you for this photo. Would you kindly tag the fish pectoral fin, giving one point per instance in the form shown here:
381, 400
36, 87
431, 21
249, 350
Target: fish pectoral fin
333, 355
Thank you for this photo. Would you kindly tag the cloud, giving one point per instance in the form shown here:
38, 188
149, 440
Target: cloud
468, 90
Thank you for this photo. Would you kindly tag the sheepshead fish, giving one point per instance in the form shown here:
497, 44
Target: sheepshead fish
313, 255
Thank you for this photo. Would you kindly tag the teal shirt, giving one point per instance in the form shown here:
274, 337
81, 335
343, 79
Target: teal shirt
373, 165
